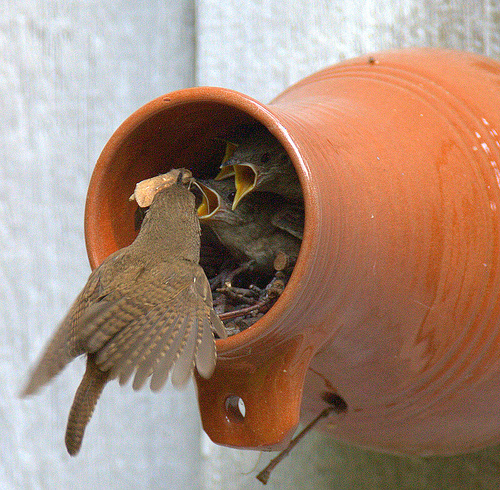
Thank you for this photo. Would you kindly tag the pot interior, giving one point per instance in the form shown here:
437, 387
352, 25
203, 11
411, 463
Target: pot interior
147, 144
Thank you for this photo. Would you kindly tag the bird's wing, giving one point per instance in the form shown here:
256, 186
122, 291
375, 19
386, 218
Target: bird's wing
290, 218
164, 325
61, 349
93, 302
202, 288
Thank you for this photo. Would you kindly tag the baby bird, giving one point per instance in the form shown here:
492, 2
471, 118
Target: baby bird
263, 224
147, 309
260, 163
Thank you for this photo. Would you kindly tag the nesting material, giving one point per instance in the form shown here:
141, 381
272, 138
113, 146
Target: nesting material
252, 224
147, 189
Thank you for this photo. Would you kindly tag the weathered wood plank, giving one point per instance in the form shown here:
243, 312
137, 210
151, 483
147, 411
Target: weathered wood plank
70, 73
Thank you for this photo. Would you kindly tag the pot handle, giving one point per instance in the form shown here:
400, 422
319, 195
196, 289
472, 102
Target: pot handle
254, 405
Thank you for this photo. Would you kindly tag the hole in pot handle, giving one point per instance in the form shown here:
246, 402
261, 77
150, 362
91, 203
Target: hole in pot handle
235, 407
254, 404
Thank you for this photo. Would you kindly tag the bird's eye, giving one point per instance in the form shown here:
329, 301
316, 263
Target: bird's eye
231, 196
265, 158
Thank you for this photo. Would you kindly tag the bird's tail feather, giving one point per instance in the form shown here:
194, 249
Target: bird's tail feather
86, 397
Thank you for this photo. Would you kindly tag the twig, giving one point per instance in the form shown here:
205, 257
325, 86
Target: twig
264, 475
242, 268
259, 307
239, 295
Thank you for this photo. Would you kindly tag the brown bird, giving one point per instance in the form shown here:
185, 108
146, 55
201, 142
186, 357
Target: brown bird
262, 226
260, 163
146, 309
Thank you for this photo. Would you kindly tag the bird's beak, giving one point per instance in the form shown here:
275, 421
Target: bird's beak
210, 202
245, 179
225, 172
230, 148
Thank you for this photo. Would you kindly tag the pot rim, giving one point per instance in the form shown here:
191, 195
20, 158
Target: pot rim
261, 113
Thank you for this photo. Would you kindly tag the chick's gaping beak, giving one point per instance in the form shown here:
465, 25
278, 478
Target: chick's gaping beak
230, 149
210, 202
225, 172
245, 179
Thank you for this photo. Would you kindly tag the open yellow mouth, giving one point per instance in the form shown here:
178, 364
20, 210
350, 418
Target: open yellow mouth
245, 178
225, 173
230, 149
210, 202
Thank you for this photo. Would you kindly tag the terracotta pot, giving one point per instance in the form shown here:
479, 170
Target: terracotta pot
393, 303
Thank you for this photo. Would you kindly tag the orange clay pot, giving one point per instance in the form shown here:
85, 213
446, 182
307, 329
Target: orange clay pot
394, 300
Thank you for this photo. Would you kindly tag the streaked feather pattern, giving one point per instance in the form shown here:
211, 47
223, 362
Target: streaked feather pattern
147, 309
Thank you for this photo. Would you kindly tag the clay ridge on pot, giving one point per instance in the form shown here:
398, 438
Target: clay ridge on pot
393, 301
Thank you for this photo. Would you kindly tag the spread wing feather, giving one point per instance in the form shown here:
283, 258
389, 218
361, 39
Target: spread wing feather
290, 218
62, 349
177, 319
161, 321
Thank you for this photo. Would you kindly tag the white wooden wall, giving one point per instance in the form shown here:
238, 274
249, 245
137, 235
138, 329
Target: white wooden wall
70, 73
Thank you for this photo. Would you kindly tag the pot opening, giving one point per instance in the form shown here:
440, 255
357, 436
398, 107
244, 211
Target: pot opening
252, 216
201, 135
